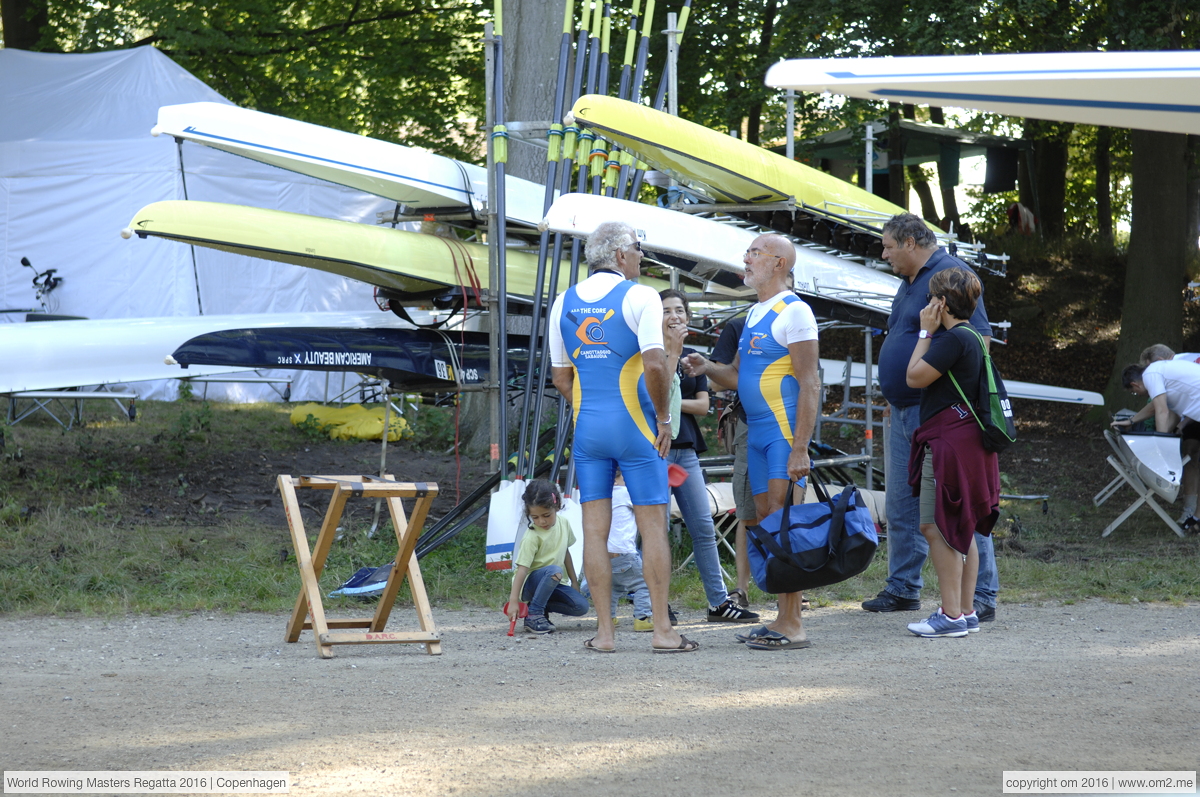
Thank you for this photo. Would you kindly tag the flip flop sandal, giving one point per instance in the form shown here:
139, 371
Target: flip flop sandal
588, 644
685, 646
777, 641
746, 636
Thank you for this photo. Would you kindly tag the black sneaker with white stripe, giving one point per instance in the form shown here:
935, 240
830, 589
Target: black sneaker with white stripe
730, 612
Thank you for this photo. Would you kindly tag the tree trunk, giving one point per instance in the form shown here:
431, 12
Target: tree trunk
1193, 199
916, 176
952, 219
23, 21
1025, 193
898, 192
532, 35
1104, 223
754, 123
474, 424
949, 200
929, 210
1051, 183
1155, 275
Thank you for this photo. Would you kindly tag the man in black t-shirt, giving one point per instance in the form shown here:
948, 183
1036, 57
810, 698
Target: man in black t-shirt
724, 351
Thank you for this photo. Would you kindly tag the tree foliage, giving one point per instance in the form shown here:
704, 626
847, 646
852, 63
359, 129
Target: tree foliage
403, 70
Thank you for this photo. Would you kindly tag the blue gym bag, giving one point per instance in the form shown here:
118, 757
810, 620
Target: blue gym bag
804, 546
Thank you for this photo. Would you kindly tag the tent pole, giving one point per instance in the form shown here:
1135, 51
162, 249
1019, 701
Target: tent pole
192, 247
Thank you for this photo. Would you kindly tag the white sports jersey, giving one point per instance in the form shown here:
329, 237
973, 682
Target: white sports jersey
642, 310
1180, 381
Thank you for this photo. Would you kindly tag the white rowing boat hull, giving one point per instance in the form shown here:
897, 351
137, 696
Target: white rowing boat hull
1157, 461
61, 354
406, 175
1145, 90
716, 245
1067, 395
834, 373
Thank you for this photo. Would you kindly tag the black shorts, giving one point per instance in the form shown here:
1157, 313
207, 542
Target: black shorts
1191, 431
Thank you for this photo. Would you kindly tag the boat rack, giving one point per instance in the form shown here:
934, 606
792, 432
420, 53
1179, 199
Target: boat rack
848, 232
68, 401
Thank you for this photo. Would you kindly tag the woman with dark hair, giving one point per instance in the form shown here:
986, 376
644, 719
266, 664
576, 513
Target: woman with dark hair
958, 481
686, 447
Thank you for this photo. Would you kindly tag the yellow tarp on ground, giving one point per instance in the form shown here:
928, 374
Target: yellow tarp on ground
355, 422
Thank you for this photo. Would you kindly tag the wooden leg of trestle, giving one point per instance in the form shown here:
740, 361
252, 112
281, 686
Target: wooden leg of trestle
309, 599
407, 530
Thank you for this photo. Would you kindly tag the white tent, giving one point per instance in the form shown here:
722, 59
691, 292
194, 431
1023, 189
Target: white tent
77, 161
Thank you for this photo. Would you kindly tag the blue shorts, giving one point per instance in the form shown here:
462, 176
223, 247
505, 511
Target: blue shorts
767, 453
644, 470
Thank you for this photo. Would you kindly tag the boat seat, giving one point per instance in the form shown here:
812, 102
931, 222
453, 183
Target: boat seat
1149, 463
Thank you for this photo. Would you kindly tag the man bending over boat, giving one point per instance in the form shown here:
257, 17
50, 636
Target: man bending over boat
606, 348
1152, 354
775, 374
1174, 390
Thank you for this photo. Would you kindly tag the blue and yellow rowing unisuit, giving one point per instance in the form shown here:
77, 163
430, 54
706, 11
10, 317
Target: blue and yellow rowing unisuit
615, 423
768, 390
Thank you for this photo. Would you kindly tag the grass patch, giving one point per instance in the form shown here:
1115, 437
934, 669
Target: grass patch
119, 517
64, 562
67, 561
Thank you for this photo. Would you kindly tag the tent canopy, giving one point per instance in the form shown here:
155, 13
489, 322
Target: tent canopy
76, 163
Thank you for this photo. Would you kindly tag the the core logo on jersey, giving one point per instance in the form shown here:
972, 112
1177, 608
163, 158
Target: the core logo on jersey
753, 346
591, 333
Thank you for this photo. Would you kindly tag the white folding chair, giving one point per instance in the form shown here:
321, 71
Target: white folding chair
1151, 465
720, 504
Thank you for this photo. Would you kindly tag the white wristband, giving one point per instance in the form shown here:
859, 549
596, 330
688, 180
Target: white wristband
923, 334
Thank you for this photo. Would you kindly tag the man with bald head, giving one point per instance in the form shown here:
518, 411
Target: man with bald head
606, 349
775, 374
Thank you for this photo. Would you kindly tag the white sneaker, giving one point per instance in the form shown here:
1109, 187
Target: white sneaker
939, 625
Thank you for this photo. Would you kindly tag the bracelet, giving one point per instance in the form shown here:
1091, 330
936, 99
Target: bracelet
666, 421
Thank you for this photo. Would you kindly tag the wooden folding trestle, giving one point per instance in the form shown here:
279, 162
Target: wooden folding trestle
311, 563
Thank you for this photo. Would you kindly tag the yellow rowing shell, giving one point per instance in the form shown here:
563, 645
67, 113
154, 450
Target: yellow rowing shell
407, 262
727, 168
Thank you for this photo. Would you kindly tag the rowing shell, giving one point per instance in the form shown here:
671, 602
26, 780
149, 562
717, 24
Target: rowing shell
63, 354
410, 263
715, 247
1145, 90
412, 177
413, 264
726, 168
412, 359
1156, 459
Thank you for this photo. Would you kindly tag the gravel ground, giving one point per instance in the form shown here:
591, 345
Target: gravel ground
867, 710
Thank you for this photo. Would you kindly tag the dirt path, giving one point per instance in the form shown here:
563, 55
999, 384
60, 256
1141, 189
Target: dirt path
867, 710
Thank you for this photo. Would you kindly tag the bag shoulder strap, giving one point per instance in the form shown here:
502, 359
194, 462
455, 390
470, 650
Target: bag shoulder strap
987, 366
